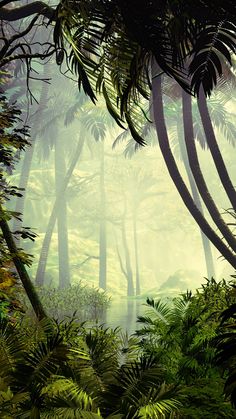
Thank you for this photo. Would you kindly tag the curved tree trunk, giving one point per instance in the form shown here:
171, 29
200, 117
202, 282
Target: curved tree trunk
197, 174
62, 230
39, 279
205, 241
20, 268
214, 149
102, 227
176, 177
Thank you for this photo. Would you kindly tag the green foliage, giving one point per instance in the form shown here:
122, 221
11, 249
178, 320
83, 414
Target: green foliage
53, 370
182, 334
13, 139
203, 399
226, 348
186, 45
85, 302
10, 306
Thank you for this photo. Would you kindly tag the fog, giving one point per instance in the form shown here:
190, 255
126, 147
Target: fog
106, 213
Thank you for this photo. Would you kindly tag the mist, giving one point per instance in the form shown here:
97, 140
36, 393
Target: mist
106, 214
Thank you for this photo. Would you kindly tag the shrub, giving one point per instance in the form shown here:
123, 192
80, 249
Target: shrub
85, 302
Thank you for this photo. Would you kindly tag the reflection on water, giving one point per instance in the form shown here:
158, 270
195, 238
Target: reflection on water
124, 313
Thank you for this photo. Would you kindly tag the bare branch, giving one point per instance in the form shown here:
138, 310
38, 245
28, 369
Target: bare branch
15, 37
38, 7
78, 265
42, 56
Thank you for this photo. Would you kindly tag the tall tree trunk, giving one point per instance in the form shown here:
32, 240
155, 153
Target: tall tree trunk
39, 280
103, 226
28, 156
136, 256
20, 268
205, 241
176, 177
214, 149
129, 272
197, 174
62, 229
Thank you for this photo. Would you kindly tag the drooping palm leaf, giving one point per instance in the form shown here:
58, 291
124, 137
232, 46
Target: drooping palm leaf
213, 45
66, 399
11, 347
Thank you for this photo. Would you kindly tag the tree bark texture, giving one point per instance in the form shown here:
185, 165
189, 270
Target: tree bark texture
21, 271
197, 173
214, 149
176, 176
197, 200
39, 280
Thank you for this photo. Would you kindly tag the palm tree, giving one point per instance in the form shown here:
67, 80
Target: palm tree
174, 123
197, 174
221, 118
124, 38
173, 32
95, 122
181, 40
176, 177
60, 105
98, 123
215, 151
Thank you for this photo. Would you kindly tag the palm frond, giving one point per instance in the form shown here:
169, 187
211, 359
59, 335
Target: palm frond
160, 403
11, 347
42, 361
67, 400
212, 44
159, 310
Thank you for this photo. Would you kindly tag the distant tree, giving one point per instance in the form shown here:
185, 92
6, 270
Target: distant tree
125, 261
187, 43
13, 139
35, 122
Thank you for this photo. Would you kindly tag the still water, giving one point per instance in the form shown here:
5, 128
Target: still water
123, 313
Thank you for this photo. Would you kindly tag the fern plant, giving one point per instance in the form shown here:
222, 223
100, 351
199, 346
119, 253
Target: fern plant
63, 370
182, 334
226, 348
